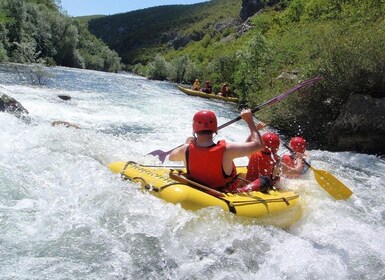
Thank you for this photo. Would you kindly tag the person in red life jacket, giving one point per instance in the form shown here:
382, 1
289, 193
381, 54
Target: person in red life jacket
264, 166
292, 164
224, 90
207, 88
211, 163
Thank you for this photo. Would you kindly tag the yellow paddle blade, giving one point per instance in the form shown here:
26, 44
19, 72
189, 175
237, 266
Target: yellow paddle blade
331, 184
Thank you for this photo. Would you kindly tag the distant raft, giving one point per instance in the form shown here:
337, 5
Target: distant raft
280, 208
207, 95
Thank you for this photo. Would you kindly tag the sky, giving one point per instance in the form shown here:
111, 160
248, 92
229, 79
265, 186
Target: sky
109, 7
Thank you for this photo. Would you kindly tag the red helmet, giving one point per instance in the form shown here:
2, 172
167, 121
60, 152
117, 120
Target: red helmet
271, 142
298, 144
205, 120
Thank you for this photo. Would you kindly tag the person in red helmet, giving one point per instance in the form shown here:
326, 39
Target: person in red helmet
292, 164
264, 166
211, 163
207, 87
224, 90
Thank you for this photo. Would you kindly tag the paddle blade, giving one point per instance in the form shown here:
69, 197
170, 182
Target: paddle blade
162, 155
331, 184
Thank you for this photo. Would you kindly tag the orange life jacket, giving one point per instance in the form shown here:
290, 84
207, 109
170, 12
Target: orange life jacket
204, 165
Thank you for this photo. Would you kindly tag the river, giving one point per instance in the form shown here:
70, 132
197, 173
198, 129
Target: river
64, 215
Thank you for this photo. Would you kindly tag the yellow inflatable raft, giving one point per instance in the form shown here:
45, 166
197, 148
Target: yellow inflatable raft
278, 208
207, 95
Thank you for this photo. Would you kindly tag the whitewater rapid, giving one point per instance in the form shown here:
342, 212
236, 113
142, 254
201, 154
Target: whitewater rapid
64, 215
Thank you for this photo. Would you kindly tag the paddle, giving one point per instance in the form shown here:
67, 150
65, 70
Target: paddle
162, 155
181, 178
327, 181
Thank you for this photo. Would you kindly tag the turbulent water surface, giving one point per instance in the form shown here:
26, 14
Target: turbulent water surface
64, 215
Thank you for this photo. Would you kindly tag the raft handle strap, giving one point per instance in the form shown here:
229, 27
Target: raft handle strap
124, 177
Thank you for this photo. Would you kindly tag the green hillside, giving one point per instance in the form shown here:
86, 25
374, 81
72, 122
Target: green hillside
137, 36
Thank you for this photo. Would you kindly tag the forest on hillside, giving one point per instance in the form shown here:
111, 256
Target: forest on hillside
38, 32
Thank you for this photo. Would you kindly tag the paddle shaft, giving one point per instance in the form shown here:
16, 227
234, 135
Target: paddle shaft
276, 99
182, 179
162, 155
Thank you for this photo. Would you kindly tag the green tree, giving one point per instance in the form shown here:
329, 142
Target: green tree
3, 37
66, 37
95, 53
253, 62
223, 68
193, 72
178, 68
17, 13
159, 68
34, 31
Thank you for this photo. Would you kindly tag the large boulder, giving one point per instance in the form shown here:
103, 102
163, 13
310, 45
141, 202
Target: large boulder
360, 126
64, 96
12, 106
251, 7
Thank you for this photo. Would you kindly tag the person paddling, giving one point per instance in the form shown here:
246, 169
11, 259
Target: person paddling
207, 88
196, 85
224, 90
211, 163
263, 169
292, 164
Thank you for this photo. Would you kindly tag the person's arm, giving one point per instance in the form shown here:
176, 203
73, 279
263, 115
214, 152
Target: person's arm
260, 125
236, 150
255, 136
179, 154
293, 171
298, 165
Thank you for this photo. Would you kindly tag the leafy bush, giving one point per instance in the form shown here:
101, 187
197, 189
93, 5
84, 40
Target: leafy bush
158, 69
178, 68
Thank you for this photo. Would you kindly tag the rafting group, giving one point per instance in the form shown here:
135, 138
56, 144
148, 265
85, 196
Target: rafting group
212, 164
209, 176
206, 91
208, 88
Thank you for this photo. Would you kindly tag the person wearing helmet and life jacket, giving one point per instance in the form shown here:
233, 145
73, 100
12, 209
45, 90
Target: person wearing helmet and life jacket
224, 90
196, 85
211, 163
264, 166
207, 88
292, 164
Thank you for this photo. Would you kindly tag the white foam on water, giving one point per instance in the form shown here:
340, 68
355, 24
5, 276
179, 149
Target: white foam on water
63, 214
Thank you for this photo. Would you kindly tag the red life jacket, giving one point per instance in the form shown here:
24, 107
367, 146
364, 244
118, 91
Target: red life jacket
260, 164
288, 160
204, 165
